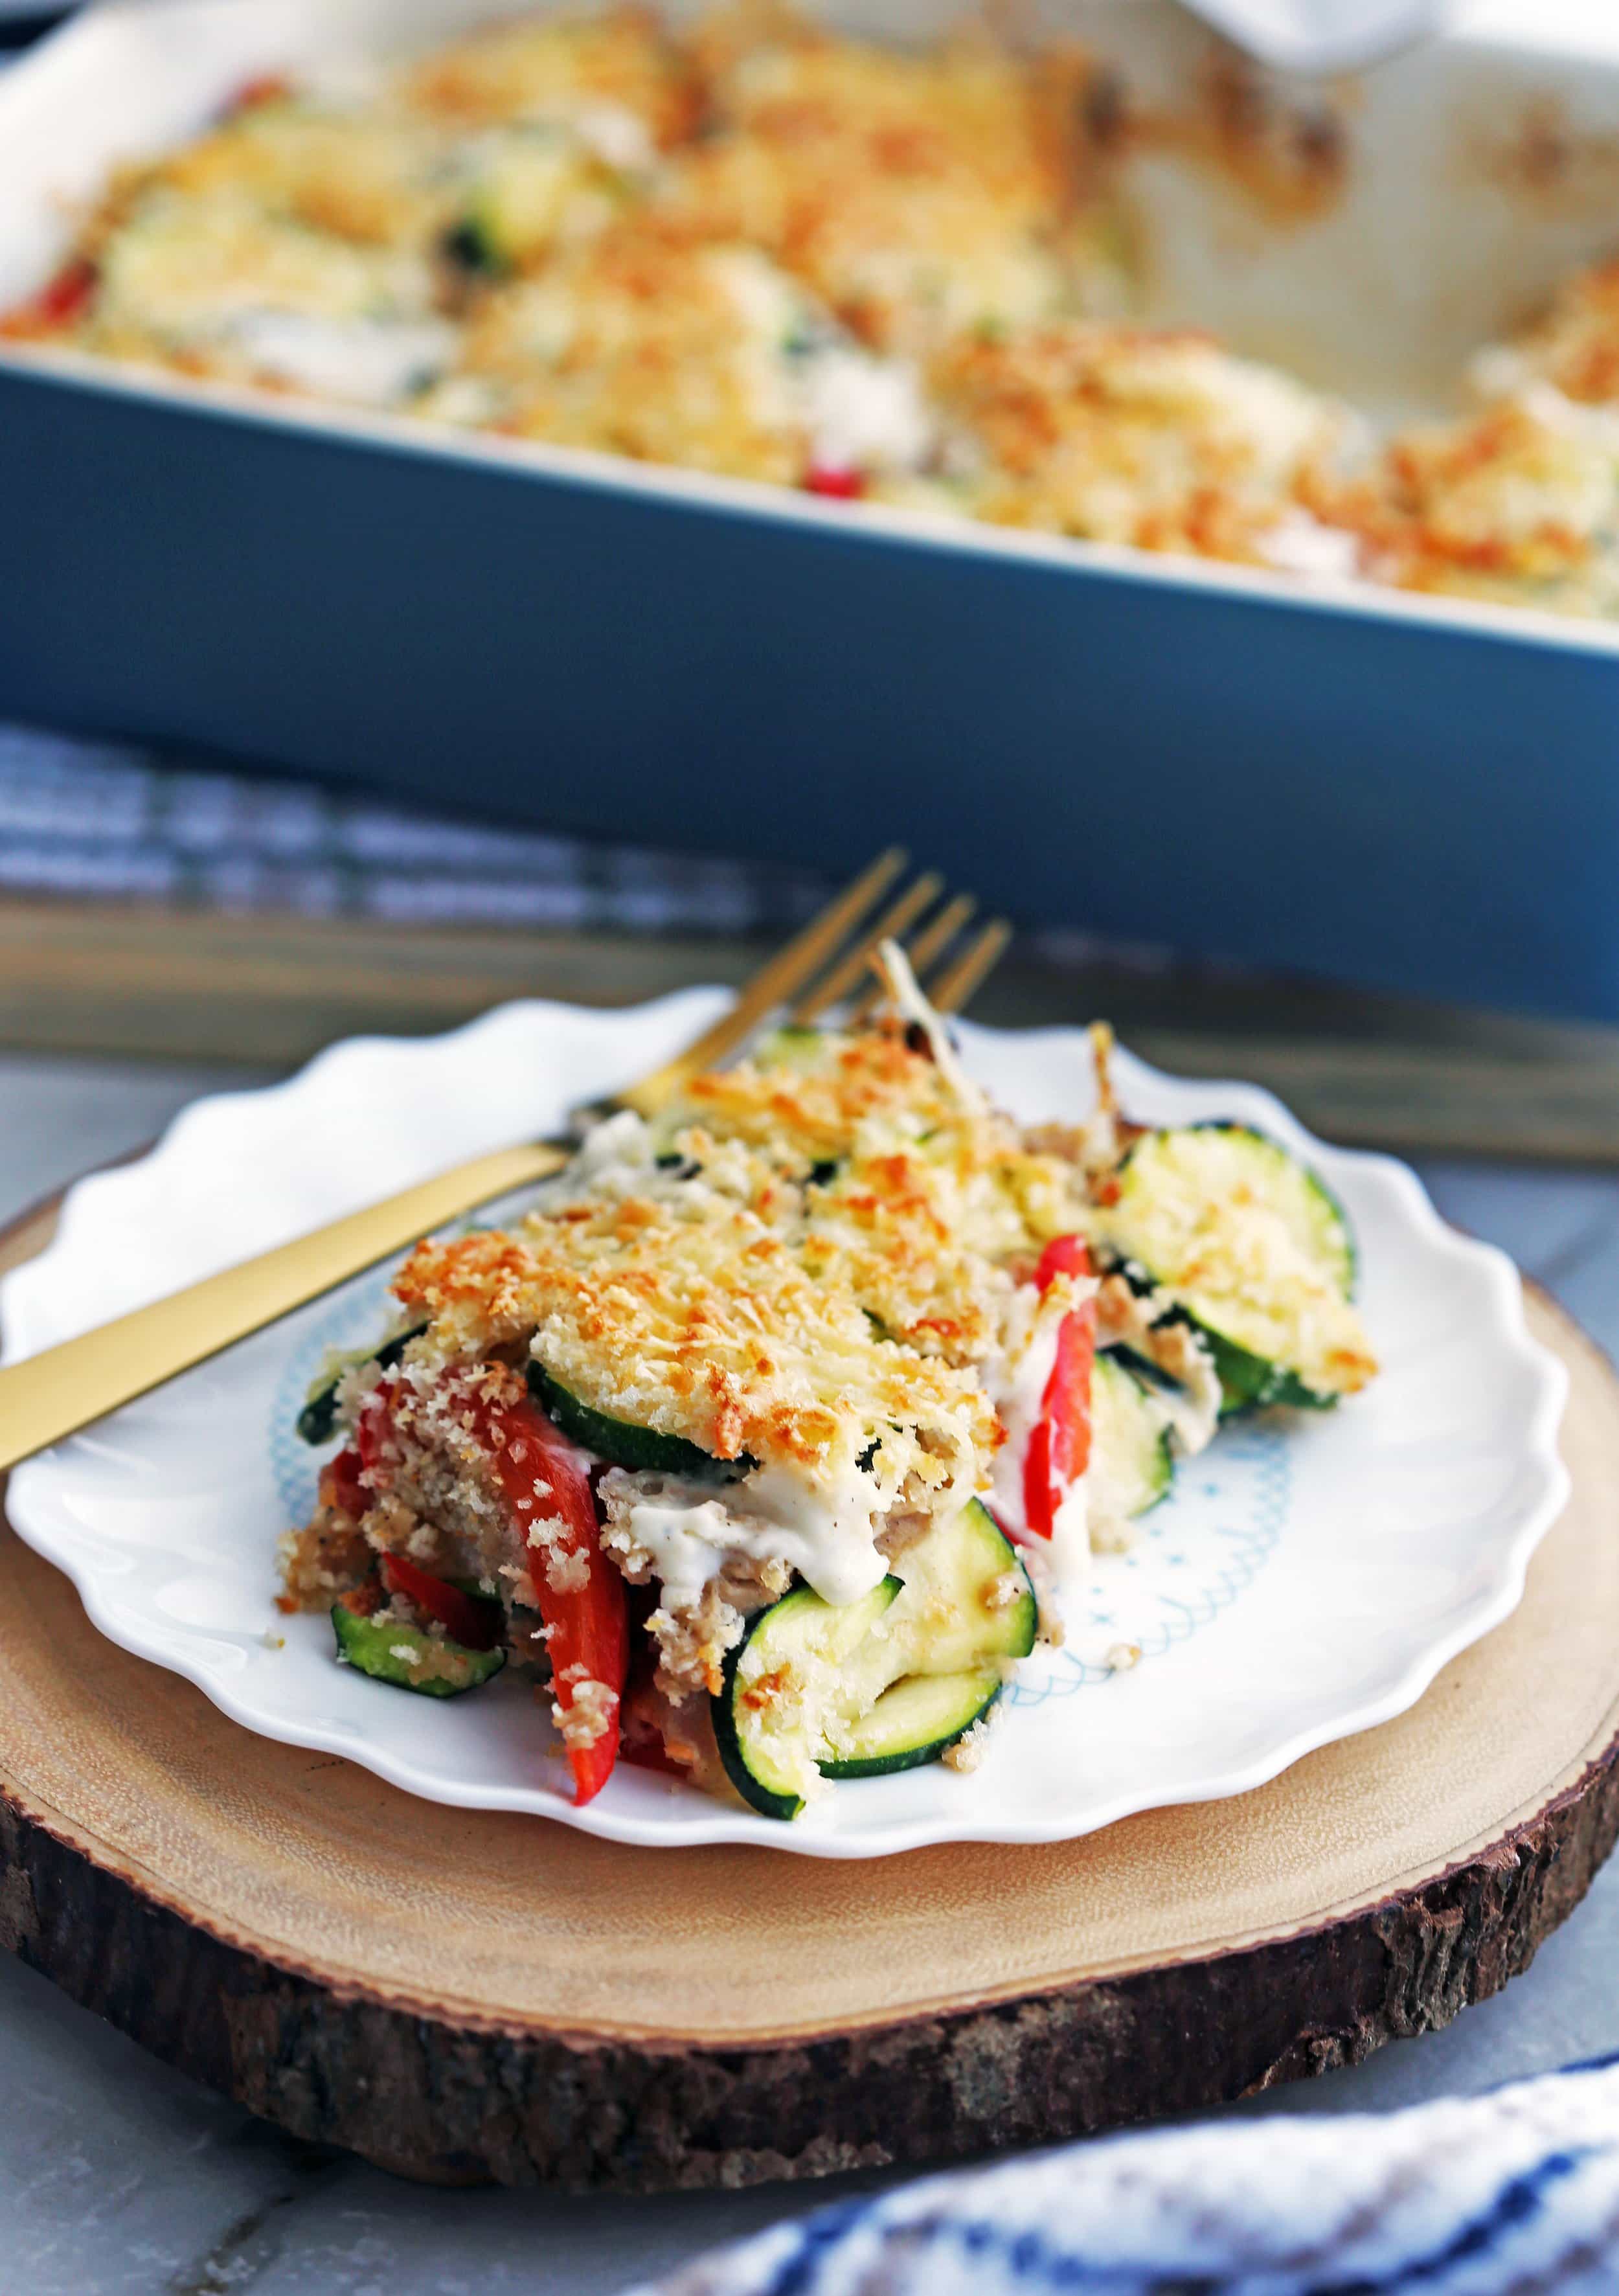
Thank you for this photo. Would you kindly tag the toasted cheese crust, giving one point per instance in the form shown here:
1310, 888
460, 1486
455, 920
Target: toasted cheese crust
766, 252
1125, 434
549, 68
915, 193
1518, 504
752, 248
703, 1322
932, 1197
644, 344
1574, 346
820, 1266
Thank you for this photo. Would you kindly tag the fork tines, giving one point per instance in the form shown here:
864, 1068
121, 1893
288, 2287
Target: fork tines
829, 964
949, 964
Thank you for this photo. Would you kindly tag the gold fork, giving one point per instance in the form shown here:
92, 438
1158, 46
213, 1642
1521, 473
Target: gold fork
65, 1388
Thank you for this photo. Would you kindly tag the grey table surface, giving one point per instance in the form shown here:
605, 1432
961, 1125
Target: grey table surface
117, 2175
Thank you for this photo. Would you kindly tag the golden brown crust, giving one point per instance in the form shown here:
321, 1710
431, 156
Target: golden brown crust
1150, 436
1504, 503
838, 1271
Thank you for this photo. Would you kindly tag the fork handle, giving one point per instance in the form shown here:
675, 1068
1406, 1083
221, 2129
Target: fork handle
65, 1388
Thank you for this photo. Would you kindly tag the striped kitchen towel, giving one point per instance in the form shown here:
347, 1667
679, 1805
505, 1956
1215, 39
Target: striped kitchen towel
111, 821
1516, 2191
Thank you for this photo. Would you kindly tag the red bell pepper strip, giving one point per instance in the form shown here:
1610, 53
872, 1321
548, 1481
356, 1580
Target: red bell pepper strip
371, 1434
68, 294
58, 302
262, 88
838, 486
341, 1485
474, 1625
587, 1626
544, 1479
1060, 1444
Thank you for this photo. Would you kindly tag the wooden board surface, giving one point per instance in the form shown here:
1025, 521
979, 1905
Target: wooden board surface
463, 1994
1378, 1071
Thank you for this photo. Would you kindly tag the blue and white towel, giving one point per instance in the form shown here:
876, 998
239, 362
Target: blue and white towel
101, 820
1515, 2192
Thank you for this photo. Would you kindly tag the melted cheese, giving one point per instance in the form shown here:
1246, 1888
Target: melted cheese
821, 1529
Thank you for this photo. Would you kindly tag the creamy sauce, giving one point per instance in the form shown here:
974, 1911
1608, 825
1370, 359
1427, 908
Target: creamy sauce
1017, 1382
1070, 1543
616, 136
824, 1533
865, 414
1299, 543
1192, 1413
1192, 1407
369, 362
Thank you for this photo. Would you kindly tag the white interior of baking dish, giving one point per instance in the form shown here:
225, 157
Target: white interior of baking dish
1449, 189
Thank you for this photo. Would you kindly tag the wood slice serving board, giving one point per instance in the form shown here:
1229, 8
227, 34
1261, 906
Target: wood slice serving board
463, 1995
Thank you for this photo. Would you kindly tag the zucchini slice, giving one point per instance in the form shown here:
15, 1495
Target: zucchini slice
916, 1721
1255, 1251
808, 1677
1133, 1457
622, 1444
528, 179
967, 1598
317, 1421
408, 1658
778, 1685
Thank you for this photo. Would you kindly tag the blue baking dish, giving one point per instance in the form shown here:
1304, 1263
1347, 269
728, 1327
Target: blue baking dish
1417, 795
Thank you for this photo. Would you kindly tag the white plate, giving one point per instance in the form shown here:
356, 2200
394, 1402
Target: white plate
1306, 1580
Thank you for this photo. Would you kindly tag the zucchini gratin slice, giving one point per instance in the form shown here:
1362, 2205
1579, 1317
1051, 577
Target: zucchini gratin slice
1257, 1252
767, 1443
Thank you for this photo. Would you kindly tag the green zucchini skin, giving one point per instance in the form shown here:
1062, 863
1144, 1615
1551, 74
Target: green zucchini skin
1131, 1443
317, 1421
930, 1620
443, 1669
1247, 1383
1250, 1381
487, 241
800, 1629
470, 246
916, 1720
642, 1451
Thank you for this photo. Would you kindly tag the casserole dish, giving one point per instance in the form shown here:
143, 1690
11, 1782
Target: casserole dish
1417, 793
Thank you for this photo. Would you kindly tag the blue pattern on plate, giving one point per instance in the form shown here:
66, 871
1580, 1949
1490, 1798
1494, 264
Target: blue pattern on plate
1222, 1532
350, 1320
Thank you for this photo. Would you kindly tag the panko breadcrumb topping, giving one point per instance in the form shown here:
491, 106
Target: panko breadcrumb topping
758, 248
1125, 434
748, 246
1518, 505
817, 1268
590, 1712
